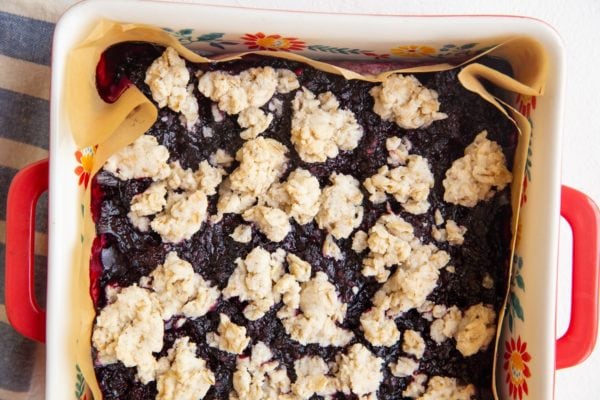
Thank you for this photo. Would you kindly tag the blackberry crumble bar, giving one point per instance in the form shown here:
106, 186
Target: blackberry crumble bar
284, 233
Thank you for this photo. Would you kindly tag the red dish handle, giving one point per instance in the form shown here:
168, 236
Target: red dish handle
22, 308
579, 340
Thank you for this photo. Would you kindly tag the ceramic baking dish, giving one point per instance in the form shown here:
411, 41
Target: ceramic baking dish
529, 352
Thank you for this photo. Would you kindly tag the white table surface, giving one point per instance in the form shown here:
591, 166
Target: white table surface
578, 22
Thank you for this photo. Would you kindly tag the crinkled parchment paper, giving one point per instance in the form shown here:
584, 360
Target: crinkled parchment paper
113, 126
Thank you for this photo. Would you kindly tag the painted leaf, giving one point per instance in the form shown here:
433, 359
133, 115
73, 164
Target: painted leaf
516, 305
510, 321
520, 282
217, 45
468, 46
208, 37
185, 32
335, 50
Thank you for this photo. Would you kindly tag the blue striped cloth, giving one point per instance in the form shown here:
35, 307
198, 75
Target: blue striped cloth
26, 29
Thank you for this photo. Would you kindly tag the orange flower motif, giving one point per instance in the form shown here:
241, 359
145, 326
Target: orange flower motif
260, 41
412, 51
85, 158
526, 104
516, 358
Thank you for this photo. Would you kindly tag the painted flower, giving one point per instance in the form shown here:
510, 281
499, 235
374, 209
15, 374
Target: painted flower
85, 158
525, 104
517, 371
524, 192
412, 51
260, 41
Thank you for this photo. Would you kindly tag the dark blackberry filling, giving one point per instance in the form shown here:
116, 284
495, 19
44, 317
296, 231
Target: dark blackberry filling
122, 254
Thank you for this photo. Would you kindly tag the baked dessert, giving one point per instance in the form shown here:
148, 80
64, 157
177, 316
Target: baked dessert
284, 233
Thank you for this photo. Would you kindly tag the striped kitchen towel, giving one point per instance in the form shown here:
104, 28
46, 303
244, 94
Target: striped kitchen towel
26, 28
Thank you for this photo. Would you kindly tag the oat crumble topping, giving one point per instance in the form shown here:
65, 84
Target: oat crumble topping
402, 99
181, 375
340, 210
168, 79
230, 337
320, 129
478, 175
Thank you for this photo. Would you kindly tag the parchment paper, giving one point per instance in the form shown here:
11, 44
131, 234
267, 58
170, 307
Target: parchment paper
113, 126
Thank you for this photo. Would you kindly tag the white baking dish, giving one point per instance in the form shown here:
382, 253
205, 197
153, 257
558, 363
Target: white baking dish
326, 36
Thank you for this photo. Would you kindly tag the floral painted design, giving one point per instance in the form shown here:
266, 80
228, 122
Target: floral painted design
528, 165
85, 159
82, 390
526, 104
411, 51
461, 50
260, 41
514, 309
213, 39
205, 42
515, 366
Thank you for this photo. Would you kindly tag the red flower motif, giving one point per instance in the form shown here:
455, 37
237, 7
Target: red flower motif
524, 192
376, 56
526, 104
517, 371
260, 41
85, 158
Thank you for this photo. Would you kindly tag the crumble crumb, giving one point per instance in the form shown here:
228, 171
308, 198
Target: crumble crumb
273, 222
230, 337
409, 184
299, 268
168, 80
444, 388
221, 158
262, 162
437, 216
255, 121
298, 196
242, 234
331, 249
476, 330
183, 216
413, 343
315, 317
180, 290
398, 149
151, 201
340, 210
405, 366
253, 281
413, 281
404, 100
488, 282
389, 243
359, 241
416, 387
130, 330
320, 129
478, 175
259, 376
359, 371
378, 328
144, 158
445, 325
312, 378
182, 375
